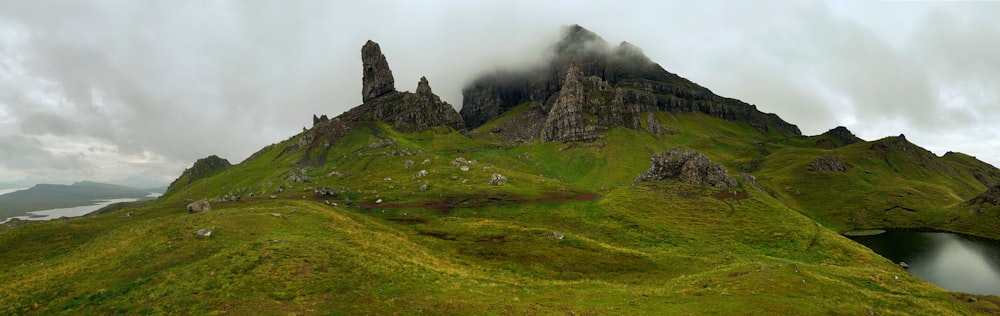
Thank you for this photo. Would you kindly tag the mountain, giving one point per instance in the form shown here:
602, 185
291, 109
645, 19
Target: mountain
588, 86
598, 184
50, 196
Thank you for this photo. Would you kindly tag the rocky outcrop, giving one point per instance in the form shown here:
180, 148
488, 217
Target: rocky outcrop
320, 119
377, 77
688, 166
991, 196
829, 163
625, 78
404, 111
844, 135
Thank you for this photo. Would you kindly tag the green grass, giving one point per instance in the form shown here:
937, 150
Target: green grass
463, 246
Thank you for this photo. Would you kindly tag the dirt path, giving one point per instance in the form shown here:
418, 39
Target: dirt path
445, 205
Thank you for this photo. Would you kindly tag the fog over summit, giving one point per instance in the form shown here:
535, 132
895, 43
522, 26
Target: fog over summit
106, 91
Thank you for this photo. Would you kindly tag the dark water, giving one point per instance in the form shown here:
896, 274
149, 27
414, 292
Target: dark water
955, 262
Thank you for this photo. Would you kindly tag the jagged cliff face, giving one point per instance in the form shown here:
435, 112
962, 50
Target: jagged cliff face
615, 84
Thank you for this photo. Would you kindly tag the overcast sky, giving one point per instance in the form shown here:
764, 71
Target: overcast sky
135, 91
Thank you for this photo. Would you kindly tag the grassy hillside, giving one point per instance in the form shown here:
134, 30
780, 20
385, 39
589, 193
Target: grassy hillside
660, 247
383, 222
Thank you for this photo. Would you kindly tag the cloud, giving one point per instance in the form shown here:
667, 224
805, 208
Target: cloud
176, 81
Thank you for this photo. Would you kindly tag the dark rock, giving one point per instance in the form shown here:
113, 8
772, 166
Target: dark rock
199, 206
324, 191
627, 83
321, 119
829, 163
991, 196
377, 77
688, 166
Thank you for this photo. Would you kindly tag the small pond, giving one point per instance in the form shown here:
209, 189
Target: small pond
955, 262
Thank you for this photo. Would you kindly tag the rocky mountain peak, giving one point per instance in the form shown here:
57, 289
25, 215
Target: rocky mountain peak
424, 89
377, 78
619, 82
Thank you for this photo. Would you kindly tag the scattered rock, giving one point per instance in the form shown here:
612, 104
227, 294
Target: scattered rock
829, 163
408, 164
464, 168
558, 235
423, 187
297, 178
324, 191
688, 166
204, 232
421, 174
751, 181
379, 201
497, 179
904, 265
199, 206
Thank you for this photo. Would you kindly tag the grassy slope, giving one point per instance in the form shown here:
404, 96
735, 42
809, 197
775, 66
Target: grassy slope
635, 249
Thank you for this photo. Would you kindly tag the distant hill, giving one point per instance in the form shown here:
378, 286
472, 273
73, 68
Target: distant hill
50, 196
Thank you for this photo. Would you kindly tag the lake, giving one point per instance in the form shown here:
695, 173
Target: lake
69, 211
955, 262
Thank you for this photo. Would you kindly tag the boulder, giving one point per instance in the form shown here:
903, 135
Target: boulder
377, 78
497, 179
204, 232
199, 206
688, 166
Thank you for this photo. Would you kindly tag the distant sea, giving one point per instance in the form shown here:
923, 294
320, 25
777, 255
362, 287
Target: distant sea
69, 211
